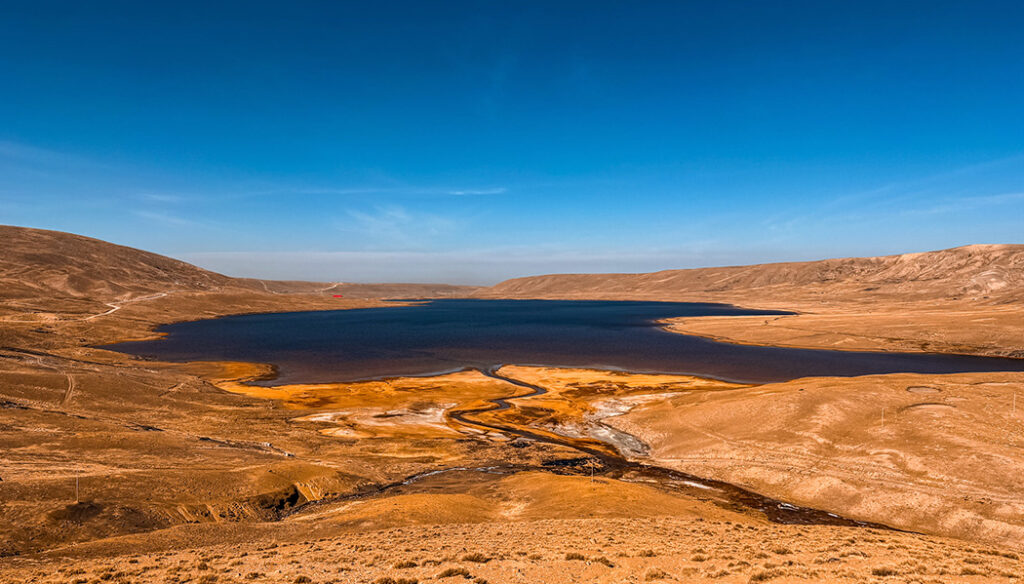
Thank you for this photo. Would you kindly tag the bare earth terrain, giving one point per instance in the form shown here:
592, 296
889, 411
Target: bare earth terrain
993, 330
121, 470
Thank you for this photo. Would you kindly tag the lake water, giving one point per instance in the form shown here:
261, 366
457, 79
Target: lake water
446, 335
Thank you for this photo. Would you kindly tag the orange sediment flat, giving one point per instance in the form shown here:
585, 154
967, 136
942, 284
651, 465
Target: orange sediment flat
575, 398
367, 408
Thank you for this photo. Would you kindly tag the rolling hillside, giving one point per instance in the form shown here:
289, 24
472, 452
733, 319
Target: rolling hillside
991, 273
54, 271
35, 263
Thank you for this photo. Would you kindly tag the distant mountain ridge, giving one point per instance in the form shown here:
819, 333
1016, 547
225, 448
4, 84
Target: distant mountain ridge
992, 273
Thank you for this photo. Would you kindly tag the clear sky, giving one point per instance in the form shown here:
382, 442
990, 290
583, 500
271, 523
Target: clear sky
468, 142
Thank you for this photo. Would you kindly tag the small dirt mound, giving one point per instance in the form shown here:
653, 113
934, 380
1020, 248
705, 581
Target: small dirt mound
77, 512
929, 407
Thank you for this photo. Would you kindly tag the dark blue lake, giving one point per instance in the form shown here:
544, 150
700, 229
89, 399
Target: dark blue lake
445, 335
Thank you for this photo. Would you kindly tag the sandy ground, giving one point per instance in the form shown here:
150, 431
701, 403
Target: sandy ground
600, 550
937, 454
932, 327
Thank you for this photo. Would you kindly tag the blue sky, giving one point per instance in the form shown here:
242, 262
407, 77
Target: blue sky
474, 141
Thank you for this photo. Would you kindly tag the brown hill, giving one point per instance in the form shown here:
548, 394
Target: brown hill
994, 273
47, 268
36, 263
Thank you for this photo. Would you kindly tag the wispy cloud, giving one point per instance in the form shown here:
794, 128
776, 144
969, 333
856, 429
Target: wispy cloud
37, 165
398, 191
932, 194
925, 184
30, 153
395, 226
28, 156
162, 198
961, 204
171, 219
473, 192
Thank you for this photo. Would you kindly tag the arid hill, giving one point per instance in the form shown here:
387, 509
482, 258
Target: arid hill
49, 268
991, 273
40, 264
60, 289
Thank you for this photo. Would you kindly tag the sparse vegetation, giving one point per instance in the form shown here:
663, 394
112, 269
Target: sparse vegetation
656, 574
345, 558
453, 572
765, 575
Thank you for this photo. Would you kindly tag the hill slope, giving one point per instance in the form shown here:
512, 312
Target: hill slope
994, 273
50, 268
35, 263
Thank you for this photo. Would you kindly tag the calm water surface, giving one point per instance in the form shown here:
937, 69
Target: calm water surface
446, 335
